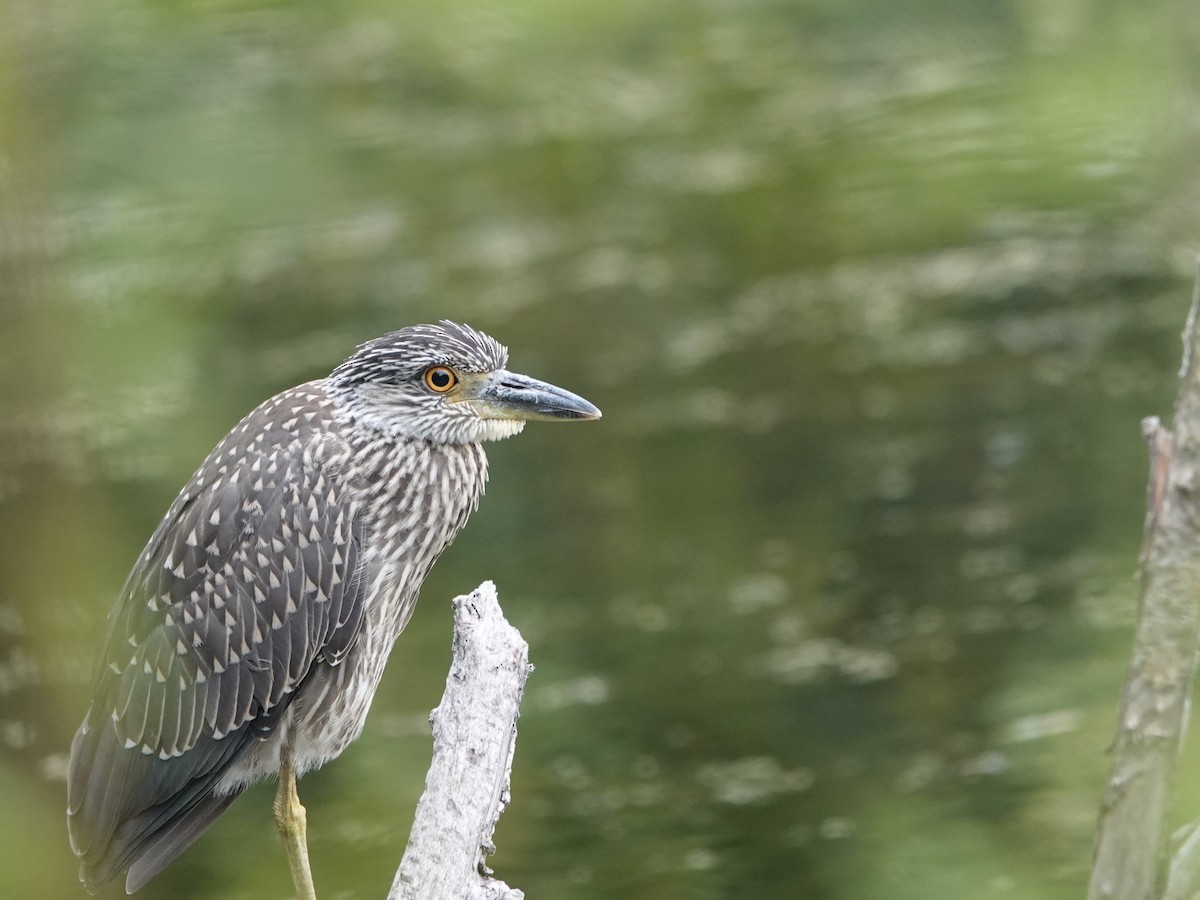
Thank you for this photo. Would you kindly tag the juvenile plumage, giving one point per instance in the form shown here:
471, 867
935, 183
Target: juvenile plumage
251, 634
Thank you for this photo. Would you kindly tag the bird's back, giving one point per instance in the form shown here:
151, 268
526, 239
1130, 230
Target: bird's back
261, 610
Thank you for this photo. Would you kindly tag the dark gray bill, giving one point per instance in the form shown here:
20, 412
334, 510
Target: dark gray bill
507, 395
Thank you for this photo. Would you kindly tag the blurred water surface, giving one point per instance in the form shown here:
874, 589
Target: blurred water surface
835, 600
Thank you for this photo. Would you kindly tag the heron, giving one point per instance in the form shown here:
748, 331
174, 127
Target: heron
252, 632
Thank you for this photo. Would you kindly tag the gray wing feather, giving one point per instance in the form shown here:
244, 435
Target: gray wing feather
249, 580
235, 610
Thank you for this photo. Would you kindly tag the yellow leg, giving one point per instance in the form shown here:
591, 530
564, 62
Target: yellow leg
292, 823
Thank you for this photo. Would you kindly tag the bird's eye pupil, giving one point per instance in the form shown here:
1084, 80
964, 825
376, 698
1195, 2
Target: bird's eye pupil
440, 378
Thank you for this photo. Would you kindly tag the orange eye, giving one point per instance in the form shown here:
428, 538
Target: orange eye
440, 379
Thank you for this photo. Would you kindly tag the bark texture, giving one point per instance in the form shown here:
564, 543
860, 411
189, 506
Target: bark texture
1132, 855
474, 738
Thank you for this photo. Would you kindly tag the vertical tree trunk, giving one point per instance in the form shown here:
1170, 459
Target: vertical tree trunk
1132, 855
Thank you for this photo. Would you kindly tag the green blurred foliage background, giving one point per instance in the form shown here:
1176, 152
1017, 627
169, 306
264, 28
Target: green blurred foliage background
834, 602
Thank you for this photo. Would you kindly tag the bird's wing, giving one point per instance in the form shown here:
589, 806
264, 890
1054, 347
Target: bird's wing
250, 579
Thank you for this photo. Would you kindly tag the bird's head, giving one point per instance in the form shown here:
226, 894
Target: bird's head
447, 383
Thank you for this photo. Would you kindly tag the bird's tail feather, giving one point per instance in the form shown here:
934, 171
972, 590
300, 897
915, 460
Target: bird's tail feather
154, 855
126, 809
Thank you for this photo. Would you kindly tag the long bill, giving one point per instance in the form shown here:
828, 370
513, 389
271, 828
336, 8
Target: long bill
508, 395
